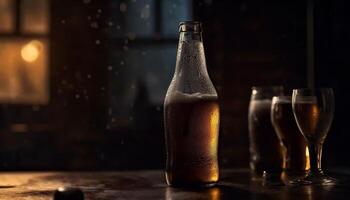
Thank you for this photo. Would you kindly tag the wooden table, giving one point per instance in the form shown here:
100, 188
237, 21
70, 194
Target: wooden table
235, 184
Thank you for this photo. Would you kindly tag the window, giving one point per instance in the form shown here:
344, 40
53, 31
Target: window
137, 84
24, 30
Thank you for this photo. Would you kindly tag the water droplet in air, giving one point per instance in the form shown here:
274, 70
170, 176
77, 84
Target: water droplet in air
63, 21
98, 42
89, 17
145, 12
77, 96
110, 23
110, 68
36, 108
123, 7
89, 76
131, 35
94, 25
121, 63
118, 27
86, 1
99, 10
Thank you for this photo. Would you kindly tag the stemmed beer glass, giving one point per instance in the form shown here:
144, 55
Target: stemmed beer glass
313, 110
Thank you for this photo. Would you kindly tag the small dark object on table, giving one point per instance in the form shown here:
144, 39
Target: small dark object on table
68, 193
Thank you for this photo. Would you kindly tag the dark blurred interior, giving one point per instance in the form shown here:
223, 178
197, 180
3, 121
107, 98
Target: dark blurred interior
82, 82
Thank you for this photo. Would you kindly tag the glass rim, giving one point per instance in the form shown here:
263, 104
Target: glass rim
282, 99
313, 89
267, 87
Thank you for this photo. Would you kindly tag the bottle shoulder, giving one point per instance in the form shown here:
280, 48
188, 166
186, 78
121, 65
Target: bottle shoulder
185, 90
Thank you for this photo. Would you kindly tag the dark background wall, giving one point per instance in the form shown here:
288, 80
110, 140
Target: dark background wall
108, 77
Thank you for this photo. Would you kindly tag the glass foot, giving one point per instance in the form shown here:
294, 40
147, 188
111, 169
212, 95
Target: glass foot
314, 179
272, 179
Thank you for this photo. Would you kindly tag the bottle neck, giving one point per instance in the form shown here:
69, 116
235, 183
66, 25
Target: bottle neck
190, 36
190, 54
191, 74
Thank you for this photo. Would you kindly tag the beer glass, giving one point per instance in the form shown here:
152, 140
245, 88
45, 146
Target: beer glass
313, 110
296, 155
265, 150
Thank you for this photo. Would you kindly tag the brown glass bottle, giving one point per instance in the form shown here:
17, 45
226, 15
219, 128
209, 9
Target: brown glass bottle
191, 116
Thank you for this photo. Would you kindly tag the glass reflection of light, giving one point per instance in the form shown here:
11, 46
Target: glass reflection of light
208, 193
307, 155
31, 51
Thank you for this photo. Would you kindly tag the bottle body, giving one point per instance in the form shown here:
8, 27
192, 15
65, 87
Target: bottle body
191, 119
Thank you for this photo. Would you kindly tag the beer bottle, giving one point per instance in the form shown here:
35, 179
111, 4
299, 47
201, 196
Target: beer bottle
191, 115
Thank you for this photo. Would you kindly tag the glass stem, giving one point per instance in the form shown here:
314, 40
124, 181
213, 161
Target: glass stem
315, 151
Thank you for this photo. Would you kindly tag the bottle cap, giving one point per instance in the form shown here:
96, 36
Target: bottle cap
190, 26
